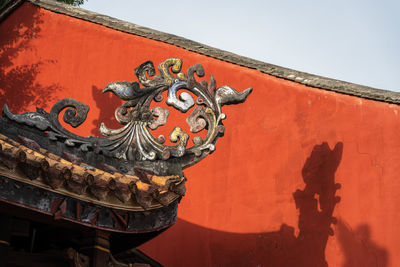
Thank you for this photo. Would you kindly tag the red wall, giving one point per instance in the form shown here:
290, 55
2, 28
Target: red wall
241, 208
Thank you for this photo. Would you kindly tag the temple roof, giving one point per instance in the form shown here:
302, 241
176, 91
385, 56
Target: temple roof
274, 70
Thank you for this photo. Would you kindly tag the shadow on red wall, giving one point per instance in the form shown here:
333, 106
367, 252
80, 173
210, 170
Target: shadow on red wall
18, 85
106, 103
358, 248
199, 246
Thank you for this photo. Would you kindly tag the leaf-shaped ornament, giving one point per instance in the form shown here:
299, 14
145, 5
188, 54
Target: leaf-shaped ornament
226, 95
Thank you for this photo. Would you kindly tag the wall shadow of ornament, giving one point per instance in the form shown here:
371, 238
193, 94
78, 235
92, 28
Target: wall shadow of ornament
316, 203
18, 83
358, 247
106, 111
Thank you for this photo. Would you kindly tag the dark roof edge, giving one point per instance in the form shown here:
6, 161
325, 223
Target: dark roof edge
277, 71
8, 8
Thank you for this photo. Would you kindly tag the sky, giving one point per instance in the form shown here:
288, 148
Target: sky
355, 40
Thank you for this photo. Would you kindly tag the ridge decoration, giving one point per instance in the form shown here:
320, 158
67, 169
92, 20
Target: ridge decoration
134, 140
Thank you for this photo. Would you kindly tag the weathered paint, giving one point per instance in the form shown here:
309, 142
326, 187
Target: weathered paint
239, 208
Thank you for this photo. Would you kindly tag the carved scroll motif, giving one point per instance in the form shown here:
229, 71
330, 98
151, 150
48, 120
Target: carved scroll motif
135, 141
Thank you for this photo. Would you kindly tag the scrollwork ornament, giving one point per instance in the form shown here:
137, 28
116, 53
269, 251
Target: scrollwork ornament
135, 141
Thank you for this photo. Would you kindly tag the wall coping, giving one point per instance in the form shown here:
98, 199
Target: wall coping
307, 79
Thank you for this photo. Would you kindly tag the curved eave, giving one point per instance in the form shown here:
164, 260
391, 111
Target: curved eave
274, 70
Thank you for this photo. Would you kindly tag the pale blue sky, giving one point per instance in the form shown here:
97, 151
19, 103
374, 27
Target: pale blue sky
354, 40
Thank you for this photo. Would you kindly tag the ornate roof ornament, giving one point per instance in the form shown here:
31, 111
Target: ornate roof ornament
128, 168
